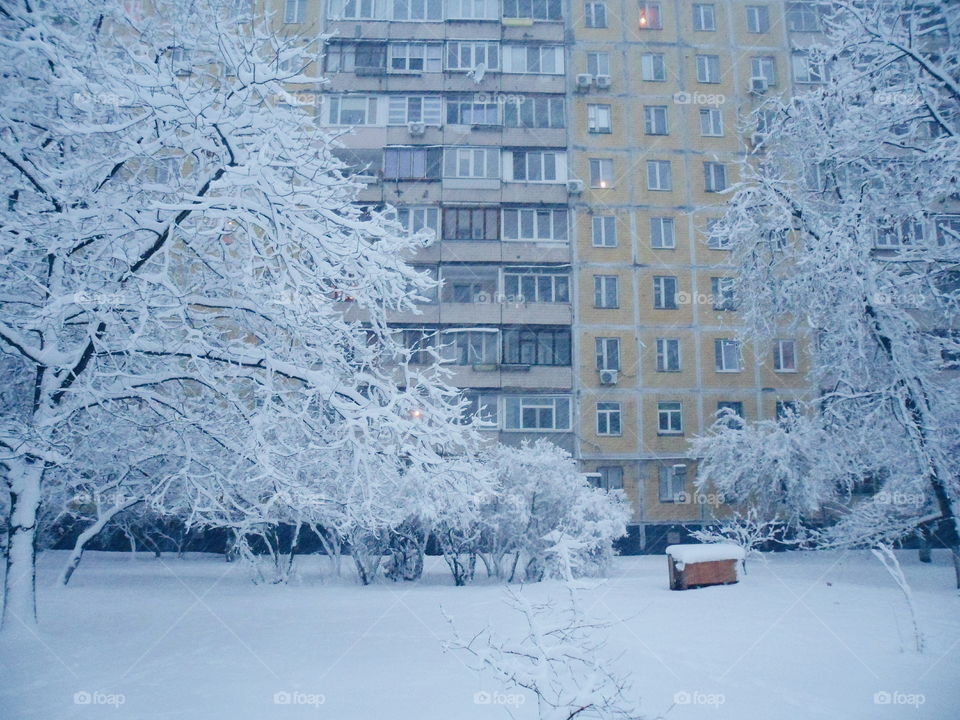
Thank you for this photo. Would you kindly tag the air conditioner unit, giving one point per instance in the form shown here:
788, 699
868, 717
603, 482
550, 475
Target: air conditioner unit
608, 377
584, 81
574, 187
603, 81
759, 85
416, 128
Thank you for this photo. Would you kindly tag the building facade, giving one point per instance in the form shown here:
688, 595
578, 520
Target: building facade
570, 157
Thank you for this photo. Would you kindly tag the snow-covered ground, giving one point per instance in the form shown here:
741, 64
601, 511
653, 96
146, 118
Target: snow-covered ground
803, 636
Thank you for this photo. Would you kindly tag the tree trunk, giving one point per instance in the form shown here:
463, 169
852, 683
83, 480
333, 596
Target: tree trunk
20, 581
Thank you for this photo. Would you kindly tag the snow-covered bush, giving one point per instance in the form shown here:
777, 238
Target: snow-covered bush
544, 519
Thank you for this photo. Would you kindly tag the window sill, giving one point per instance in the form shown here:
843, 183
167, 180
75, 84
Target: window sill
661, 433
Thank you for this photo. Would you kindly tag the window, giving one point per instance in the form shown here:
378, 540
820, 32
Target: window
410, 163
764, 66
468, 283
714, 177
716, 241
167, 171
650, 16
608, 418
653, 68
664, 292
465, 110
786, 408
608, 353
655, 119
472, 55
598, 63
535, 224
354, 10
604, 231
294, 11
806, 69
422, 345
537, 412
536, 346
473, 10
595, 14
415, 219
536, 9
785, 355
802, 17
536, 285
470, 347
480, 405
534, 59
413, 10
471, 223
704, 18
661, 233
352, 110
758, 19
601, 172
669, 418
611, 477
734, 406
659, 175
467, 162
708, 68
415, 57
537, 166
722, 290
727, 355
606, 292
598, 118
948, 230
903, 232
403, 109
369, 58
711, 122
673, 483
532, 111
668, 355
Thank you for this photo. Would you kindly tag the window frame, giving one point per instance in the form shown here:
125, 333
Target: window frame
537, 402
664, 346
779, 355
720, 346
609, 413
661, 299
607, 353
602, 292
670, 411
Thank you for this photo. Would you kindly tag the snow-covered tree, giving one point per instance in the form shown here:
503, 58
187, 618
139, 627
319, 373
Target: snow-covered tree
183, 257
843, 235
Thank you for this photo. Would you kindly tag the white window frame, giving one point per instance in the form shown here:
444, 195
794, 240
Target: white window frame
599, 118
704, 17
412, 6
294, 11
651, 16
415, 218
781, 355
653, 67
801, 17
336, 106
672, 483
539, 219
669, 417
595, 14
722, 289
488, 342
430, 112
655, 120
663, 234
601, 172
607, 353
555, 403
608, 415
539, 166
711, 122
429, 53
598, 63
727, 355
512, 59
764, 66
708, 69
758, 19
475, 163
659, 175
663, 299
485, 52
548, 285
714, 177
603, 230
606, 292
472, 9
806, 69
668, 349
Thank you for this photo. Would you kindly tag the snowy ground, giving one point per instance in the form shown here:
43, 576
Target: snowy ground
803, 636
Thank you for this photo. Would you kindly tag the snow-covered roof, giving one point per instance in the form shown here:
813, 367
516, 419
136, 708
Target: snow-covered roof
694, 553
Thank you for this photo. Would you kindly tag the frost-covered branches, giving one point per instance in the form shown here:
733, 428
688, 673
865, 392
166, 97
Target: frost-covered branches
845, 232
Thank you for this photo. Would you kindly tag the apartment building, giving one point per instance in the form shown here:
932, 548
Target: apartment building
570, 157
